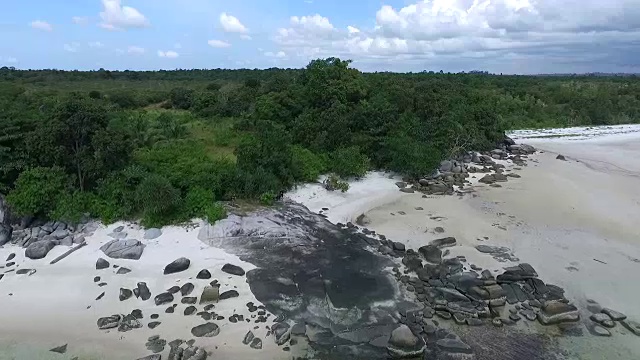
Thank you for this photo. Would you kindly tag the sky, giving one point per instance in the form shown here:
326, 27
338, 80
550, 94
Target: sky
499, 36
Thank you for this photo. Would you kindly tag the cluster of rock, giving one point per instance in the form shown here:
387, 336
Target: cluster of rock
455, 172
604, 319
40, 239
122, 248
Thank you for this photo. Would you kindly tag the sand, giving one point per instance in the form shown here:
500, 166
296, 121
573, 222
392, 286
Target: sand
49, 308
575, 221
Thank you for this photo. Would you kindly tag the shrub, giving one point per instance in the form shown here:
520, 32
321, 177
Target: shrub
268, 198
215, 212
156, 196
349, 162
72, 206
333, 183
197, 202
181, 98
214, 86
37, 191
307, 166
95, 94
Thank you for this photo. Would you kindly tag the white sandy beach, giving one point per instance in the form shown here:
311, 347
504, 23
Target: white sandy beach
575, 221
49, 308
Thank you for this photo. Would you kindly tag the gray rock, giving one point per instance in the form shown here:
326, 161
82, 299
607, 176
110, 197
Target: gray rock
142, 291
152, 233
446, 166
5, 233
102, 264
401, 184
561, 157
186, 289
60, 234
556, 312
173, 289
60, 349
444, 242
248, 338
632, 326
178, 265
603, 319
151, 357
398, 246
39, 249
189, 300
123, 270
129, 322
205, 330
190, 310
125, 294
109, 322
78, 239
229, 294
233, 270
210, 294
599, 330
156, 345
299, 329
204, 274
403, 337
118, 229
163, 298
123, 249
614, 315
431, 253
453, 345
118, 235
154, 324
256, 343
408, 190
281, 332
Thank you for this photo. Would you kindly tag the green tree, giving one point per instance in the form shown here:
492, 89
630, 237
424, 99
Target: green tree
37, 191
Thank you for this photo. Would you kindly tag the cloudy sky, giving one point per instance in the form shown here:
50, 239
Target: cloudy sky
509, 36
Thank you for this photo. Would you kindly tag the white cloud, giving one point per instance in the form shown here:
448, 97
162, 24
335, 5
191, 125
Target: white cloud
279, 54
118, 17
136, 50
95, 44
218, 44
245, 37
80, 20
168, 54
352, 30
72, 47
41, 25
119, 51
232, 24
8, 59
177, 46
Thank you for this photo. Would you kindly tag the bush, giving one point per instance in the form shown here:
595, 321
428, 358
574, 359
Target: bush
349, 162
215, 212
156, 196
37, 191
181, 98
197, 202
214, 86
72, 206
95, 94
333, 183
307, 166
268, 198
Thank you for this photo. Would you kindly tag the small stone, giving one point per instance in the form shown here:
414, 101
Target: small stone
632, 326
599, 330
204, 274
169, 310
100, 296
96, 279
102, 284
515, 317
256, 343
476, 321
137, 314
561, 157
60, 349
154, 316
190, 310
248, 338
496, 322
229, 294
123, 270
453, 345
154, 324
603, 319
163, 298
109, 322
186, 289
125, 294
178, 265
148, 357
102, 264
444, 314
205, 330
11, 256
142, 291
210, 294
233, 270
189, 300
173, 289
614, 315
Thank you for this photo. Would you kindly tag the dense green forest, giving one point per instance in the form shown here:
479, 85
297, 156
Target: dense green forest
166, 146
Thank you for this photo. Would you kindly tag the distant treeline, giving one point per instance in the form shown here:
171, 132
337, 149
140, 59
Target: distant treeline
165, 146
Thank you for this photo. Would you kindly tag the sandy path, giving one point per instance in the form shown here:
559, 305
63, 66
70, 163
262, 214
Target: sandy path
49, 308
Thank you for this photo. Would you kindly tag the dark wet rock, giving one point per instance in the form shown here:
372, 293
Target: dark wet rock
256, 343
137, 313
248, 338
163, 298
431, 253
515, 317
100, 296
178, 265
186, 289
556, 312
109, 322
123, 249
408, 190
528, 314
156, 345
281, 332
28, 272
444, 314
598, 330
39, 249
204, 274
154, 316
125, 294
614, 315
142, 291
129, 322
444, 242
189, 300
476, 321
173, 289
603, 319
210, 294
299, 329
123, 270
233, 270
205, 330
96, 279
517, 273
561, 157
412, 263
229, 294
398, 246
487, 249
632, 326
170, 310
102, 284
151, 357
11, 257
60, 349
190, 310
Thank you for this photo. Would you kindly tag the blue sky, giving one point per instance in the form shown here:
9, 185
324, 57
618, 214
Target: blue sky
510, 36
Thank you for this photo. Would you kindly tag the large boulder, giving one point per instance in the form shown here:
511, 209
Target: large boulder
403, 344
5, 233
556, 312
178, 265
39, 249
123, 249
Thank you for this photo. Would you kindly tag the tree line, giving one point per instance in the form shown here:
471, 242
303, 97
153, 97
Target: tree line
167, 146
